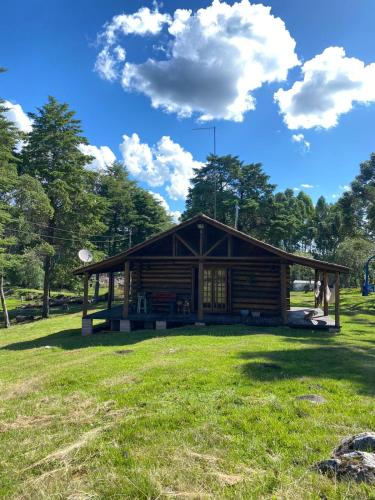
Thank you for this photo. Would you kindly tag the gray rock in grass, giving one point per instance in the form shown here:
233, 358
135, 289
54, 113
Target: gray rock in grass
356, 466
365, 441
353, 459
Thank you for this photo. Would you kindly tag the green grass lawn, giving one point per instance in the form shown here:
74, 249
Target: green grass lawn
207, 412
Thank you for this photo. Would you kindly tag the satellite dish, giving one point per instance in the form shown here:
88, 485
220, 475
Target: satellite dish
85, 255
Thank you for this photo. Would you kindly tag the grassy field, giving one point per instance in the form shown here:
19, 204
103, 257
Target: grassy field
187, 413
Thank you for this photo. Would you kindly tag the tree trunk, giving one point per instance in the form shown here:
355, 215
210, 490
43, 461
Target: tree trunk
97, 288
3, 303
46, 286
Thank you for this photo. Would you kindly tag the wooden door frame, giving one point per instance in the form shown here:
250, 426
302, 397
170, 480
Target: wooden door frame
215, 267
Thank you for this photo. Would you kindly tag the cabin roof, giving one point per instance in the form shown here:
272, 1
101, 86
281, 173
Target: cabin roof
112, 263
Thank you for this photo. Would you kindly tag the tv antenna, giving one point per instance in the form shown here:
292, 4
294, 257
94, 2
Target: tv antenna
213, 128
85, 255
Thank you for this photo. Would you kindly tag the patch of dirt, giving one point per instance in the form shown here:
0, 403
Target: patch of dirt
62, 454
123, 352
24, 422
313, 398
204, 457
119, 380
21, 388
229, 479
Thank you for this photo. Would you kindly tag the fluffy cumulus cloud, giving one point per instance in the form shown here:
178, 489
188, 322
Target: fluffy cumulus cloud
307, 186
300, 139
16, 114
103, 156
175, 214
214, 58
164, 164
332, 83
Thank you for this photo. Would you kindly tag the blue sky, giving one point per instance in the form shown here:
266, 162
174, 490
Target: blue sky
50, 48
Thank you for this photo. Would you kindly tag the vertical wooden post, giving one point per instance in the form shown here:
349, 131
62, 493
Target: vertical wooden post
200, 290
325, 301
283, 294
174, 245
230, 245
110, 290
85, 295
201, 228
316, 279
125, 312
337, 299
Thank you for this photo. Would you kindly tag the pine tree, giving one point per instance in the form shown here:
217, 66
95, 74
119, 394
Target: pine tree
8, 181
52, 156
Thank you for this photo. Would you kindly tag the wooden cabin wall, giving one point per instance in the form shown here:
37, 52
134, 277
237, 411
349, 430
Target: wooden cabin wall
256, 286
163, 276
252, 285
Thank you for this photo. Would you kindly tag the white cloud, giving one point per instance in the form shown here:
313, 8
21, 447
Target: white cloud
331, 84
175, 214
296, 189
345, 188
307, 186
16, 114
334, 196
300, 138
164, 164
103, 156
215, 57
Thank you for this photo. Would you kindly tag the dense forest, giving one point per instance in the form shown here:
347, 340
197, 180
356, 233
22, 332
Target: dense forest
52, 205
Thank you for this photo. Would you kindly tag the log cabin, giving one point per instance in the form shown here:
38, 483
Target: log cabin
202, 271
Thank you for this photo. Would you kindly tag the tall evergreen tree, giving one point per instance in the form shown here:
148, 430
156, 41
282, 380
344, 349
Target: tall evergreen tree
52, 156
8, 181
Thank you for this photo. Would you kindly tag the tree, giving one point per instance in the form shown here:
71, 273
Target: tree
52, 156
358, 204
149, 216
354, 252
328, 228
117, 190
225, 181
8, 180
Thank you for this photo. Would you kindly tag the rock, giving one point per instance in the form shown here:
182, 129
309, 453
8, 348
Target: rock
124, 352
313, 398
365, 441
356, 465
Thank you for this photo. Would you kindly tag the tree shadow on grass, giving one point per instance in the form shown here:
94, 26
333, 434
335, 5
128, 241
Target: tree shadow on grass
72, 339
334, 362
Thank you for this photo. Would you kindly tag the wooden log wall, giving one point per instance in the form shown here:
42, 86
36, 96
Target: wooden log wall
256, 286
163, 276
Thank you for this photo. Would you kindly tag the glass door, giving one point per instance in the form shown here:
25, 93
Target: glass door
215, 289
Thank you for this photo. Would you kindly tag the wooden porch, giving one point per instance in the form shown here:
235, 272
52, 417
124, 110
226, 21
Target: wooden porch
296, 319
